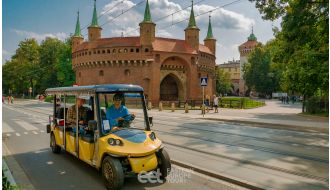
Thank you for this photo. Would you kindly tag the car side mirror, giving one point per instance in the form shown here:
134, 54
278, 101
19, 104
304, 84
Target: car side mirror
92, 124
48, 128
150, 121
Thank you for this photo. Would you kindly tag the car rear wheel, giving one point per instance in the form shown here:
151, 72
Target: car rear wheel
164, 163
55, 148
112, 173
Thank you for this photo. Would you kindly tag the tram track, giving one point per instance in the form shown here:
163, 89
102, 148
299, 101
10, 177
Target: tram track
241, 161
241, 145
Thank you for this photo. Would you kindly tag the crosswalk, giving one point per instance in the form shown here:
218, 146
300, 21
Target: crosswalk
20, 127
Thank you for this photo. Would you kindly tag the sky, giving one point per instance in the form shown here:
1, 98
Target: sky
22, 19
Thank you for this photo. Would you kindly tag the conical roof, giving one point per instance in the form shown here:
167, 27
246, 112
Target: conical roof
94, 19
192, 21
147, 15
77, 32
209, 30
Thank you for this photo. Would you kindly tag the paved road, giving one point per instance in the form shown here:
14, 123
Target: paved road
264, 157
34, 166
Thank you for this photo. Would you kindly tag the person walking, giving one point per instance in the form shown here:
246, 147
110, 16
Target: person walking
215, 103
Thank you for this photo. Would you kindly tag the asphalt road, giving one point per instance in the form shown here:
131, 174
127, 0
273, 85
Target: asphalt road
263, 157
27, 143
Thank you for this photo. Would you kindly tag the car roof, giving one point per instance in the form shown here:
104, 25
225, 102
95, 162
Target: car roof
91, 89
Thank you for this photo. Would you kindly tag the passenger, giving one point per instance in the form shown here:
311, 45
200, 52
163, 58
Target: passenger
82, 114
118, 112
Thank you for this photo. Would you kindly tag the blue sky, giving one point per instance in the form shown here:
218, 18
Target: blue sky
23, 19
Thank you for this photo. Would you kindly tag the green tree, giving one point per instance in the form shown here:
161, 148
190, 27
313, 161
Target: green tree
51, 51
65, 74
17, 72
260, 73
223, 83
304, 43
38, 66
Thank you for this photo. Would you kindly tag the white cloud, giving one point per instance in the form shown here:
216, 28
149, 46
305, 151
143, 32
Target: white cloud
222, 18
40, 37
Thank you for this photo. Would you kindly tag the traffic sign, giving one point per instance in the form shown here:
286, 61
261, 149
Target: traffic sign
203, 81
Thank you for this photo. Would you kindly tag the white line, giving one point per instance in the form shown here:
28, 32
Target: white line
42, 131
6, 128
25, 133
17, 134
34, 132
26, 125
8, 135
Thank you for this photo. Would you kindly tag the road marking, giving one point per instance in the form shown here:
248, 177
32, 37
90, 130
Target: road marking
34, 132
6, 128
8, 135
26, 125
17, 134
25, 133
42, 131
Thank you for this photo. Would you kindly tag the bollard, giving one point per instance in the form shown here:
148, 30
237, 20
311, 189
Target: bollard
149, 105
160, 107
173, 107
186, 109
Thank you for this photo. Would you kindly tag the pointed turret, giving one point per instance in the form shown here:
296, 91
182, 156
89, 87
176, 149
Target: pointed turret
94, 30
147, 28
77, 38
147, 15
192, 21
192, 31
77, 32
252, 37
210, 41
209, 30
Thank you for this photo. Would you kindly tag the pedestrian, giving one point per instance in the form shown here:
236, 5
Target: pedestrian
12, 99
3, 99
207, 103
9, 99
215, 103
287, 99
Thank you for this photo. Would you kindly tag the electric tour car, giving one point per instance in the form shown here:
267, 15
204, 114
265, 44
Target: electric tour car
118, 147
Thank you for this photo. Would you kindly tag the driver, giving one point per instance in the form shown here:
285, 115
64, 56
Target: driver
117, 112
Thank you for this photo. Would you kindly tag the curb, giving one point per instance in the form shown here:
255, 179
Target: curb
232, 180
277, 126
7, 173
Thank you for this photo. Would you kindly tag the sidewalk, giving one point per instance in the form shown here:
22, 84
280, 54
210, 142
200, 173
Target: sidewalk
274, 112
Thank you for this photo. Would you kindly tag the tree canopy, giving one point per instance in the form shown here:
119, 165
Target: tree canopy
301, 47
38, 66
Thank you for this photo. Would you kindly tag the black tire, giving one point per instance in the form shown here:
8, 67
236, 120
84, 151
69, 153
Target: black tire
164, 163
55, 148
112, 173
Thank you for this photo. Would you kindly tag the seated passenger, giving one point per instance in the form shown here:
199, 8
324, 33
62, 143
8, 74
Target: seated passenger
82, 114
118, 112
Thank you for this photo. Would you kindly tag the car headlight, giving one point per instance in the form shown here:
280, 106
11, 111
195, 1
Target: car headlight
152, 136
118, 142
115, 142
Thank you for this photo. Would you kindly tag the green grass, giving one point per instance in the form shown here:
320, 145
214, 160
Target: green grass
322, 114
240, 103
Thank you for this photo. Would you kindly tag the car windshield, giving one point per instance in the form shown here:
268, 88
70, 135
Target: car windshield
121, 110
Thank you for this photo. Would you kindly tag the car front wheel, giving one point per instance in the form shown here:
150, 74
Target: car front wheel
164, 163
112, 173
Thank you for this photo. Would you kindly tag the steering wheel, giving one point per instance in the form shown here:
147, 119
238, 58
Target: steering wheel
126, 123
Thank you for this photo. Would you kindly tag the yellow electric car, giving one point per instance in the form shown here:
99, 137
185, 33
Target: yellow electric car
110, 131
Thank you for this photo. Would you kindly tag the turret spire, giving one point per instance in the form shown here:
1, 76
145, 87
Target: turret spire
147, 15
252, 37
94, 20
209, 30
77, 32
192, 22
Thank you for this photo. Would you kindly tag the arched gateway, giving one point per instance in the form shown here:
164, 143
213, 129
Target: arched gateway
169, 89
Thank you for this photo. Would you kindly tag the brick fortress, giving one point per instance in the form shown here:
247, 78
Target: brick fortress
167, 69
